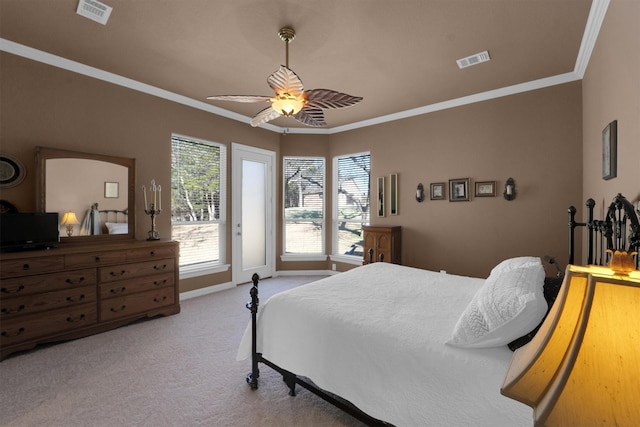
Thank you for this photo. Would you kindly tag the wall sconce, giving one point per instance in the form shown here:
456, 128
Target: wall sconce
420, 193
509, 189
69, 220
582, 366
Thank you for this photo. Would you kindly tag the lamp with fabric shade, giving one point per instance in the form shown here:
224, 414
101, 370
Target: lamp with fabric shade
582, 367
69, 220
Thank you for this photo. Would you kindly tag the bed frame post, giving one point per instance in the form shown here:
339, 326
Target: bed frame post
591, 233
572, 227
252, 377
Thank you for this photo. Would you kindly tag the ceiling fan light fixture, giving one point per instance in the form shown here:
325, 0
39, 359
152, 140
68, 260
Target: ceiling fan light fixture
287, 105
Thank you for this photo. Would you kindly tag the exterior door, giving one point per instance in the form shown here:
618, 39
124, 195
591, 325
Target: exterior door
253, 213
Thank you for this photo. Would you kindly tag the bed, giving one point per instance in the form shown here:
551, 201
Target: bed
104, 221
403, 346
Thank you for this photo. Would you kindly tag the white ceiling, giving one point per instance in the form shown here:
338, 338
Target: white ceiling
400, 55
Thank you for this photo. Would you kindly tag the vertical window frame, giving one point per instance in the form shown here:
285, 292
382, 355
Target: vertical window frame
304, 256
219, 265
335, 220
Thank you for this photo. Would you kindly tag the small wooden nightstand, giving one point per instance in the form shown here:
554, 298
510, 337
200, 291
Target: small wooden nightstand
384, 243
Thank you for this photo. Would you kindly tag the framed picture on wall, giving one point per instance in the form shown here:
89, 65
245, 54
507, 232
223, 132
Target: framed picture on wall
485, 189
393, 199
381, 196
459, 190
610, 150
438, 190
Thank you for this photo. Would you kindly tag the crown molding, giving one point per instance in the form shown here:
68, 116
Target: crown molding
592, 29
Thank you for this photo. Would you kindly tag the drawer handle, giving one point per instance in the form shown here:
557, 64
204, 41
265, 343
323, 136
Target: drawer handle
9, 311
75, 319
75, 282
97, 258
118, 309
15, 334
25, 266
155, 267
9, 291
116, 274
152, 253
117, 290
158, 299
160, 282
80, 298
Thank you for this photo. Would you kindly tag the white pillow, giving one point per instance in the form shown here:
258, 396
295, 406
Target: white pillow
509, 305
117, 227
517, 262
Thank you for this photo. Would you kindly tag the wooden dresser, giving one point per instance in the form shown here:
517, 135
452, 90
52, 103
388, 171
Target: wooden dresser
75, 291
384, 243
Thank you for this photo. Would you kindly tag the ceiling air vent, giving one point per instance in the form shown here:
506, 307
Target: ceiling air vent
473, 59
94, 10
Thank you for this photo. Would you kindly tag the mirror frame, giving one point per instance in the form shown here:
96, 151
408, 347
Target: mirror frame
45, 153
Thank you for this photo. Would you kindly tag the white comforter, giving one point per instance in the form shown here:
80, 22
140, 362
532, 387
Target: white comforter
375, 335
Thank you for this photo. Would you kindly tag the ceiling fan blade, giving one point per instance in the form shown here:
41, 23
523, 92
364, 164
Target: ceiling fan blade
325, 98
285, 80
264, 116
311, 116
240, 98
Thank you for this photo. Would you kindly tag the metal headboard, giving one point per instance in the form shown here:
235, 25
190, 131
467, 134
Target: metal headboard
619, 230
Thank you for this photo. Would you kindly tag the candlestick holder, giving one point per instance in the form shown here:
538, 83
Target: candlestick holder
153, 233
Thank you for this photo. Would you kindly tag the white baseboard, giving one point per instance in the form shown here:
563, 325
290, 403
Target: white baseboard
229, 285
205, 291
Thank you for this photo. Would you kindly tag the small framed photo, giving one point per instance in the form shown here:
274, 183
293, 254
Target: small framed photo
438, 190
459, 190
610, 150
485, 189
111, 190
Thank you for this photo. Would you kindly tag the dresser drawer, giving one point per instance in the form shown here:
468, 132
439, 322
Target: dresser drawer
23, 266
114, 308
24, 328
140, 284
12, 307
47, 282
128, 271
143, 254
95, 259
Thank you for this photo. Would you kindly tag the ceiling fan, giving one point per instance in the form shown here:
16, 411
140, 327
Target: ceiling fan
291, 100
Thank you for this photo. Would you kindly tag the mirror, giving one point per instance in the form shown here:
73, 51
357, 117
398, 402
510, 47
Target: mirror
98, 189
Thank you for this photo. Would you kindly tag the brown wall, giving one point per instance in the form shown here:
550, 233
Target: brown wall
48, 106
534, 137
611, 91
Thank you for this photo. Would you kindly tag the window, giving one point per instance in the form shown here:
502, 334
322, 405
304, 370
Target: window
303, 205
198, 202
351, 174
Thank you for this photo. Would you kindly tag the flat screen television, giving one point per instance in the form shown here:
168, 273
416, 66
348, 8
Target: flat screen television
28, 230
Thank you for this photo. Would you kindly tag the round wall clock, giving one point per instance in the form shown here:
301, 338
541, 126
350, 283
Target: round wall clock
12, 171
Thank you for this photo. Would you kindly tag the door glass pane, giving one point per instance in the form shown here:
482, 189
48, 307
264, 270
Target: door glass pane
253, 215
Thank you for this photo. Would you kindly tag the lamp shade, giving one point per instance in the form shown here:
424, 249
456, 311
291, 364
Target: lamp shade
69, 218
583, 366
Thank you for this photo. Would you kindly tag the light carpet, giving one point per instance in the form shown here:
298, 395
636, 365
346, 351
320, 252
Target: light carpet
170, 371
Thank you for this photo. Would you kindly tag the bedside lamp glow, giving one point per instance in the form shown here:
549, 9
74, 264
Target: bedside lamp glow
69, 220
582, 366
